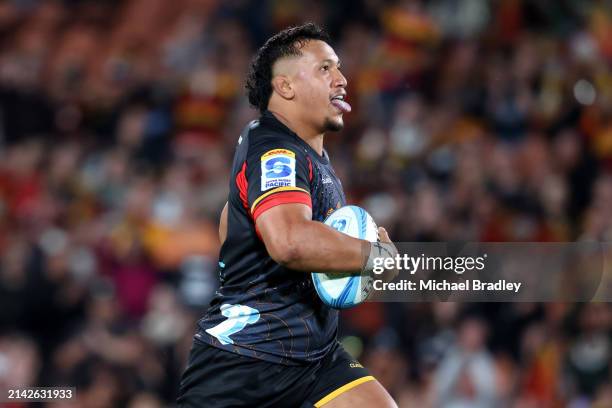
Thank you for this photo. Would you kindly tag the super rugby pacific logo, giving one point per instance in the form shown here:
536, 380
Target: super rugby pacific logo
277, 169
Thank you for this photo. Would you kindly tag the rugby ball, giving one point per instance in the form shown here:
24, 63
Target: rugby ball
341, 291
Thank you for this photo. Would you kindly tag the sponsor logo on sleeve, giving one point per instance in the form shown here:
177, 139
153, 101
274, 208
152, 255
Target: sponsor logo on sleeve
277, 169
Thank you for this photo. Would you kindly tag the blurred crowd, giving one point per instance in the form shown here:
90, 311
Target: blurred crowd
472, 120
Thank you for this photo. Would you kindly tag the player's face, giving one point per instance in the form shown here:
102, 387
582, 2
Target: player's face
320, 87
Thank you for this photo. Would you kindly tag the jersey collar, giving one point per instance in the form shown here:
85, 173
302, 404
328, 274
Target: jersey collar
269, 118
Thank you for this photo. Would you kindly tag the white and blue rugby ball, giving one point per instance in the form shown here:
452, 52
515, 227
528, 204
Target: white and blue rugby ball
342, 291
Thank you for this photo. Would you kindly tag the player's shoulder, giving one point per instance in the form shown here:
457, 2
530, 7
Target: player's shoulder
263, 139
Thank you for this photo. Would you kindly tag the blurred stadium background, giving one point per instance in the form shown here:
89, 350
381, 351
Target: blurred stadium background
473, 120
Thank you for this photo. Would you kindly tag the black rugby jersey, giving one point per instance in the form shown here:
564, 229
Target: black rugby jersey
263, 309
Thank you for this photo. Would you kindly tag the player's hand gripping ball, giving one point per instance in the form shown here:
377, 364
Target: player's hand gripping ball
342, 291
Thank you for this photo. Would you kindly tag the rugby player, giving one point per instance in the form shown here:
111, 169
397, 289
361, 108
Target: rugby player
267, 340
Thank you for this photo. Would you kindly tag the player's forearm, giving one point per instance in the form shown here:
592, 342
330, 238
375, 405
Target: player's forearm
312, 246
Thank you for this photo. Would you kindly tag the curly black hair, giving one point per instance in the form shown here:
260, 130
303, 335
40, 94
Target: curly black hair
283, 44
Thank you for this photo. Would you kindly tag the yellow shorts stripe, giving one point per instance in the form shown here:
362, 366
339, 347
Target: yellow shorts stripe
276, 190
342, 390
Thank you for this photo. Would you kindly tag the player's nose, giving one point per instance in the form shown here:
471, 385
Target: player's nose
339, 80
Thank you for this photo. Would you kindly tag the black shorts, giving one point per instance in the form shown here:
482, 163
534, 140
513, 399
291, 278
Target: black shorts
218, 378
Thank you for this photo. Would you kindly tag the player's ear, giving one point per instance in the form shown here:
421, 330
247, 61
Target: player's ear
282, 85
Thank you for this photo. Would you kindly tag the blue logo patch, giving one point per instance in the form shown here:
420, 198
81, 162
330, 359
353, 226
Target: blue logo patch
278, 167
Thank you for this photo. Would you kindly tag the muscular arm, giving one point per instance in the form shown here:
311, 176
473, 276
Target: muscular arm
295, 241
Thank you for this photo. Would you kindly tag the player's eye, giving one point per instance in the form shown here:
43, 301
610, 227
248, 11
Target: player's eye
325, 68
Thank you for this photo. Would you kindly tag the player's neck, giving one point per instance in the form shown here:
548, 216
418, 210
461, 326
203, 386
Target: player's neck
312, 137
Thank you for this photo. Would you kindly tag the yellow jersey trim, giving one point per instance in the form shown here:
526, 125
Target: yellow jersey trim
342, 390
276, 190
276, 152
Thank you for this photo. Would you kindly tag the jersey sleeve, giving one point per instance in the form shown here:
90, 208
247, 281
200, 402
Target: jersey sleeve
277, 173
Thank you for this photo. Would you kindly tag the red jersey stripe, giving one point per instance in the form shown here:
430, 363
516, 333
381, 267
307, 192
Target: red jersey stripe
284, 197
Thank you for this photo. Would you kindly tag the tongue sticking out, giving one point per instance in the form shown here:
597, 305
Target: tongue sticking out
343, 106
